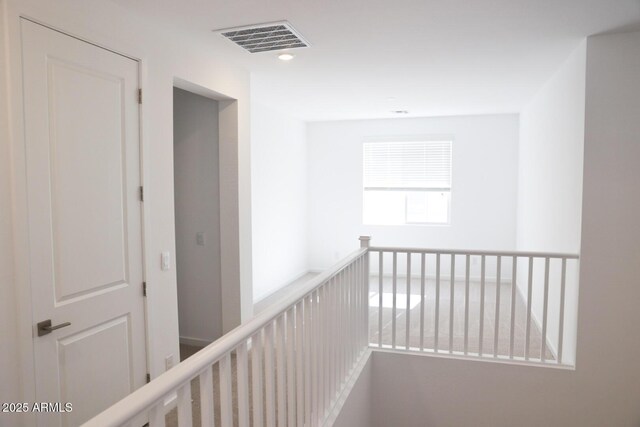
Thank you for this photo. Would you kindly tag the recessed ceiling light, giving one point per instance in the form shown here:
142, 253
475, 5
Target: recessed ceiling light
285, 57
400, 112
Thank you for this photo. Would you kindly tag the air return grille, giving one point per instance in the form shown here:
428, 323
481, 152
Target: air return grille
265, 37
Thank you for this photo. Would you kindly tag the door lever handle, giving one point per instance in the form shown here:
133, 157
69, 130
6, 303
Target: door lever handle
45, 327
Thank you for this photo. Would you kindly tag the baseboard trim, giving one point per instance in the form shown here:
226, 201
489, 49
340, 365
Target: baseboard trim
550, 346
443, 277
196, 342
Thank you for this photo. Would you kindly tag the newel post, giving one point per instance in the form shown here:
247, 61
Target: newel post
364, 241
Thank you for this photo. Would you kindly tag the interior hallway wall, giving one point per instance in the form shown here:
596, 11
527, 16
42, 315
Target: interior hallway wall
483, 200
279, 199
604, 389
608, 342
166, 56
550, 188
197, 210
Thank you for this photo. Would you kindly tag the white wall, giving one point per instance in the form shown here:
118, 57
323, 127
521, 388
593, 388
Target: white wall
413, 390
483, 212
197, 210
550, 161
608, 344
279, 199
550, 187
604, 389
166, 56
356, 410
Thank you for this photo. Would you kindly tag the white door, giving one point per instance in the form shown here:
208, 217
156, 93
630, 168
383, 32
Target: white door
83, 176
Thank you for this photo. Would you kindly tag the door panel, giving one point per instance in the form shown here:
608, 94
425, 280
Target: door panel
114, 374
84, 217
88, 214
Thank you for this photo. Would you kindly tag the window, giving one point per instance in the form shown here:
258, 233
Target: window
407, 182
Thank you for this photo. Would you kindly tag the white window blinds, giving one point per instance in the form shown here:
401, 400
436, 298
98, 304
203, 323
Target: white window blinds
407, 165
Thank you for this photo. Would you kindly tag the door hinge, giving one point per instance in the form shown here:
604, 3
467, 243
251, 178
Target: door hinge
139, 96
148, 378
144, 289
141, 194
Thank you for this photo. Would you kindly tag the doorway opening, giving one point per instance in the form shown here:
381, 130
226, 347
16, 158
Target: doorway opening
196, 168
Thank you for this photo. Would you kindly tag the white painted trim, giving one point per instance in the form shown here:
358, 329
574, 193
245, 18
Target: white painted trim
230, 263
289, 283
22, 281
170, 402
197, 342
236, 288
474, 252
350, 383
144, 221
458, 355
189, 86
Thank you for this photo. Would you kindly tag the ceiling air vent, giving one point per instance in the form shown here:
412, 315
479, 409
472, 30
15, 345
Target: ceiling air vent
265, 37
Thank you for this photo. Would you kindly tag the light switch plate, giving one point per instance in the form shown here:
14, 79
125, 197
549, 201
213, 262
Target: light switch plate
200, 238
165, 261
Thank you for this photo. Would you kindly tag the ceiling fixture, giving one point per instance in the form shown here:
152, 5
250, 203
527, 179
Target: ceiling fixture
399, 111
286, 57
265, 37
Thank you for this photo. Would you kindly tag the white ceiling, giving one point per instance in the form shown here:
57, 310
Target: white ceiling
430, 57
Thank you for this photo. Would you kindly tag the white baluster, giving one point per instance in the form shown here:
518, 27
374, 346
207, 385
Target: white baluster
527, 342
256, 378
156, 414
452, 299
496, 332
269, 377
184, 405
281, 372
422, 297
545, 305
394, 293
563, 279
243, 385
466, 304
315, 358
437, 310
514, 285
299, 365
291, 366
226, 398
408, 306
307, 361
206, 398
380, 294
482, 291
